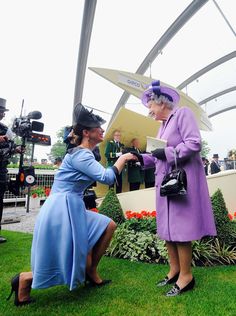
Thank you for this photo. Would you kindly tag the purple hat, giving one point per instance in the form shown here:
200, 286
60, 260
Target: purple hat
156, 89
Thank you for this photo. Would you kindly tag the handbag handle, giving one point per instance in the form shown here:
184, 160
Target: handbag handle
175, 157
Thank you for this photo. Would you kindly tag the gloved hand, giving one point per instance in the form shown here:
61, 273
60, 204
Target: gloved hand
159, 153
118, 155
140, 157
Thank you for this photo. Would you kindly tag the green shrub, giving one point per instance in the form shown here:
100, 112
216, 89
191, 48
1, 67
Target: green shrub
142, 224
111, 207
211, 252
226, 230
137, 246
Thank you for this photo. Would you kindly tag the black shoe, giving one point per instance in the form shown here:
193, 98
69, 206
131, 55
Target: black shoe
2, 240
166, 280
93, 283
177, 291
15, 288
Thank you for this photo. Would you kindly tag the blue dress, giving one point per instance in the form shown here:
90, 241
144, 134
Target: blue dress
65, 231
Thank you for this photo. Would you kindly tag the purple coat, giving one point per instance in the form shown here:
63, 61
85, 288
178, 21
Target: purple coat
189, 217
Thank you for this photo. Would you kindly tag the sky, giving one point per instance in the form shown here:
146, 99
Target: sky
39, 49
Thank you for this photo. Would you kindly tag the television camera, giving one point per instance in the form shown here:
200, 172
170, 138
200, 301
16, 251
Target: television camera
25, 128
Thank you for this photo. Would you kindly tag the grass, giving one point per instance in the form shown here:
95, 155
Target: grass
132, 292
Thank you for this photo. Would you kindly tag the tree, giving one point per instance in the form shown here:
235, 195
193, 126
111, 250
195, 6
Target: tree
232, 154
111, 207
59, 148
205, 149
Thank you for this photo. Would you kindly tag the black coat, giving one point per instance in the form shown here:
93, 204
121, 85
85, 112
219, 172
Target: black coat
215, 167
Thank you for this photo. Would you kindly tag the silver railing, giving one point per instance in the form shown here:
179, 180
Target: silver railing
44, 177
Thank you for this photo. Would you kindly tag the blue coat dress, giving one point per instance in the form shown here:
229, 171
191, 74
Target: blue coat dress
65, 231
189, 217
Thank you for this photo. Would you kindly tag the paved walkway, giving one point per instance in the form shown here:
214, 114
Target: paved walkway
25, 222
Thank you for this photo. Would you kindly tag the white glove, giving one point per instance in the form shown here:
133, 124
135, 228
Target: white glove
118, 155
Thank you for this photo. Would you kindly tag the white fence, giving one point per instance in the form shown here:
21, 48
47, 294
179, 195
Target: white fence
44, 177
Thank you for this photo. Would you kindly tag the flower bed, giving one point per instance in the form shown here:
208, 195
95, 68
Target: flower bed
39, 191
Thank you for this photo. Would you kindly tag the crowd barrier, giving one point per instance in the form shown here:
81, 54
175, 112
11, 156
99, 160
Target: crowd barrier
44, 177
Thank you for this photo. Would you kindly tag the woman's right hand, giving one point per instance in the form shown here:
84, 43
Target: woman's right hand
128, 157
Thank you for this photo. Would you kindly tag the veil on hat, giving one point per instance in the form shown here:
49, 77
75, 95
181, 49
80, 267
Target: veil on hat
156, 89
84, 117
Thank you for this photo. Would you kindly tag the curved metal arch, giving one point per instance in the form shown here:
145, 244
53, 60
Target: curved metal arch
207, 68
162, 42
218, 94
222, 111
85, 35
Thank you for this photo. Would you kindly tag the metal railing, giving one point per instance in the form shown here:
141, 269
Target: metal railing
44, 177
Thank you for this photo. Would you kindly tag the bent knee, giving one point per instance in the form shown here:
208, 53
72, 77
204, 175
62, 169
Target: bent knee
112, 225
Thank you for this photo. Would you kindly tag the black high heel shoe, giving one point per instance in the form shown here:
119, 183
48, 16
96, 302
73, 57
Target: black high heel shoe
167, 281
89, 280
176, 290
15, 288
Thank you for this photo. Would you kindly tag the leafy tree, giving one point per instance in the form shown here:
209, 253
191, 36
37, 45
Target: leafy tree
59, 148
232, 154
205, 149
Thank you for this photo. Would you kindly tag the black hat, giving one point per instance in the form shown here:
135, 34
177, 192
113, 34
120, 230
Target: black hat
3, 105
215, 156
86, 118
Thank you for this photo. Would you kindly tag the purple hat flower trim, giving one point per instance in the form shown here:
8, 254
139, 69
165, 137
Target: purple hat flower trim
156, 89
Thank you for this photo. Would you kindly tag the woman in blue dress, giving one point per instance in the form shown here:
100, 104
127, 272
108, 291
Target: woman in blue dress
69, 240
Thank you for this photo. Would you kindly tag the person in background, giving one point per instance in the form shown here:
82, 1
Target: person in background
7, 149
135, 172
68, 240
68, 138
205, 162
113, 151
149, 178
215, 165
181, 219
57, 162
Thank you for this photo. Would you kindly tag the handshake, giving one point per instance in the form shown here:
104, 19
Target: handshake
118, 154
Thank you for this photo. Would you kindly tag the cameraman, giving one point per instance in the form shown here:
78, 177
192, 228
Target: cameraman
7, 149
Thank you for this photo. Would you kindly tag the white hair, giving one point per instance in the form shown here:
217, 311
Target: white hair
163, 99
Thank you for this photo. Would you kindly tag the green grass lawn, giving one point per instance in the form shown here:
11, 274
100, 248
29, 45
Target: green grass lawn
132, 292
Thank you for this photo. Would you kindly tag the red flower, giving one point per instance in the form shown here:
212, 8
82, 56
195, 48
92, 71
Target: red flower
145, 213
94, 209
230, 216
34, 196
234, 214
47, 191
140, 215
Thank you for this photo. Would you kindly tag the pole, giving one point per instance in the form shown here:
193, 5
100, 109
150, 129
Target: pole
28, 191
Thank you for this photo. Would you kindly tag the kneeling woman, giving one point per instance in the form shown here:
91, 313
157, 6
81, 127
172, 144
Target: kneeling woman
69, 240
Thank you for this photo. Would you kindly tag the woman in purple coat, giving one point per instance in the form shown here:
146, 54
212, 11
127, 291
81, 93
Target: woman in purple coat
181, 219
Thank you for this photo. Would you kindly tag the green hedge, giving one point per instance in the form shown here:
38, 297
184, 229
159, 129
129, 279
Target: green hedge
111, 207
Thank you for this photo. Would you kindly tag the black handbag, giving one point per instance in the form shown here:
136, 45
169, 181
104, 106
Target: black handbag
174, 183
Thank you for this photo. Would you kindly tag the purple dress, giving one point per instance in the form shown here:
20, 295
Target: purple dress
189, 217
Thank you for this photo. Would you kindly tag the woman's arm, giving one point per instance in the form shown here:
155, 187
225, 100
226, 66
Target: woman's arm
85, 162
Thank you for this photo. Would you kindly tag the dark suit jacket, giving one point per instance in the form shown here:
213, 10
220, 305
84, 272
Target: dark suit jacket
110, 152
214, 167
135, 172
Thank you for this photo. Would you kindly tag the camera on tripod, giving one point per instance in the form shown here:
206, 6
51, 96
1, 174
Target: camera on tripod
23, 126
